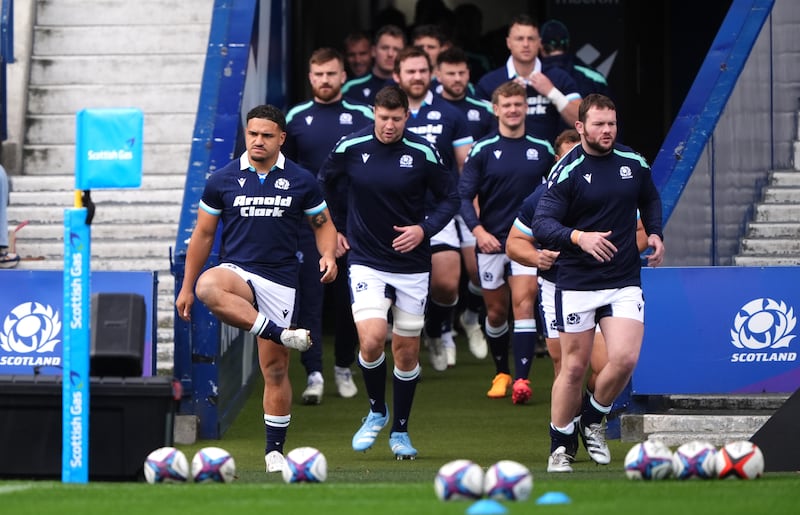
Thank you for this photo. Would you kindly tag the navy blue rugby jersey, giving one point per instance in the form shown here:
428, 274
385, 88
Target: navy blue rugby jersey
523, 223
442, 125
598, 193
260, 217
313, 128
543, 119
387, 186
364, 88
479, 114
502, 171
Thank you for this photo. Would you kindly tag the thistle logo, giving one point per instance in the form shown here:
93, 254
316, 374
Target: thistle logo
29, 331
762, 325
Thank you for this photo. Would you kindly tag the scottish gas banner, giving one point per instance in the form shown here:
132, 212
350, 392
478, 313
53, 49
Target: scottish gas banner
720, 330
108, 148
32, 321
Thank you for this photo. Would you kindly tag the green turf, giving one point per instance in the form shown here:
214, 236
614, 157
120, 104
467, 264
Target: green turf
452, 418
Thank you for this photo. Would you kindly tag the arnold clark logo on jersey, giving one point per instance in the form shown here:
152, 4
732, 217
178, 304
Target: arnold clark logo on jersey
762, 332
250, 206
29, 335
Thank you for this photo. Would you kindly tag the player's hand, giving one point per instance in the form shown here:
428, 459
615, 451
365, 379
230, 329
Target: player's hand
547, 258
485, 241
342, 245
596, 245
327, 265
541, 83
183, 304
410, 237
655, 258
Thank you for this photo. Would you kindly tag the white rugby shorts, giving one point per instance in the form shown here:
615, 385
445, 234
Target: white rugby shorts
492, 270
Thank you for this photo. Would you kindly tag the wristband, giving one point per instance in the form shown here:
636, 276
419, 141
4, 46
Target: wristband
558, 99
575, 237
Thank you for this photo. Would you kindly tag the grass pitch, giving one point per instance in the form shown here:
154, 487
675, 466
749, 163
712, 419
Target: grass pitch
452, 418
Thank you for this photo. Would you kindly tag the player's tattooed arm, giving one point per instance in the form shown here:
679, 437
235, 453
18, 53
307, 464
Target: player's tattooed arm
319, 219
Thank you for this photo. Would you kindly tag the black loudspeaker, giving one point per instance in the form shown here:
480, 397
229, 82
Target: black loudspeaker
777, 438
117, 334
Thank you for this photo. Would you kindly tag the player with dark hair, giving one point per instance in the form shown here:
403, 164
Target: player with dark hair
260, 198
312, 129
522, 247
388, 41
453, 73
444, 126
552, 95
588, 213
432, 40
501, 170
389, 171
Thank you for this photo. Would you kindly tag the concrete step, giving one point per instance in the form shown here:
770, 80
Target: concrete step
117, 69
166, 315
165, 334
782, 195
150, 98
159, 264
105, 213
773, 230
676, 439
123, 12
120, 39
101, 250
33, 233
60, 159
59, 129
777, 212
165, 363
115, 196
730, 401
173, 181
677, 428
766, 260
771, 246
785, 178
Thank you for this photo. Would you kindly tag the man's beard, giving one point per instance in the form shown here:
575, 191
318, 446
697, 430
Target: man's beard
326, 95
598, 147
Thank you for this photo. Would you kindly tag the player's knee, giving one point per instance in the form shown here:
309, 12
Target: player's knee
275, 371
573, 370
626, 362
204, 288
366, 310
407, 324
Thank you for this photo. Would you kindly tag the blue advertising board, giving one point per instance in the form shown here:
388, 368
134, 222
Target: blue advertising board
719, 330
31, 317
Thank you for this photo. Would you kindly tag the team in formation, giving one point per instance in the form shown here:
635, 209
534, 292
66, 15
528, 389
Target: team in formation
407, 178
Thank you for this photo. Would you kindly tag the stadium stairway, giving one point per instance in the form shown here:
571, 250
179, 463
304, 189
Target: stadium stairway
772, 237
147, 54
718, 419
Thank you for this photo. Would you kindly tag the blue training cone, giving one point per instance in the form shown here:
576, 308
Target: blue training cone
486, 507
554, 498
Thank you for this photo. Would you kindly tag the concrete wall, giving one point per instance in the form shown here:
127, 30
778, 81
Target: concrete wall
755, 135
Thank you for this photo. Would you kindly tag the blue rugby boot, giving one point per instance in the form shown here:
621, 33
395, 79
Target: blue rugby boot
371, 426
401, 446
